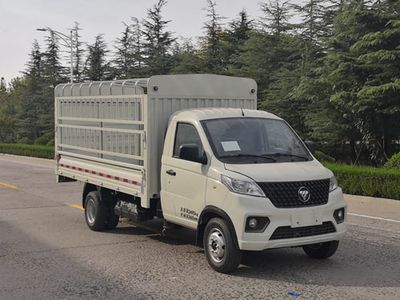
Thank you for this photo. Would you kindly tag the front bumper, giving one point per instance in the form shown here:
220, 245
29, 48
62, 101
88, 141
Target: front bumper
242, 207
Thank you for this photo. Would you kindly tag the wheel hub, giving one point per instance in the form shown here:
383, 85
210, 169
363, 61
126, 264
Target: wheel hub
216, 245
91, 211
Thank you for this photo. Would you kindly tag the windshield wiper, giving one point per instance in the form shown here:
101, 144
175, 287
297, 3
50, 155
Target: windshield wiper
290, 155
249, 155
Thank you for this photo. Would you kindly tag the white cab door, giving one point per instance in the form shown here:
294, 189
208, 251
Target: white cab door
185, 180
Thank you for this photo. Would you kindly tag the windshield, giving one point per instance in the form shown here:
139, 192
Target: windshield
254, 140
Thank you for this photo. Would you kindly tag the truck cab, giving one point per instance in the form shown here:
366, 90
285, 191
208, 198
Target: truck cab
249, 170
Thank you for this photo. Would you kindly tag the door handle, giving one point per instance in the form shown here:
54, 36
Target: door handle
171, 172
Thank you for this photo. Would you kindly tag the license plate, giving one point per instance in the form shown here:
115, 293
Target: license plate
306, 219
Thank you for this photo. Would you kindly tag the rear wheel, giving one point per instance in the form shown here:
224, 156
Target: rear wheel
221, 252
95, 211
321, 250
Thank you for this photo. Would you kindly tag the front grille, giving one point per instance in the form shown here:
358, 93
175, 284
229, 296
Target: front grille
287, 232
286, 194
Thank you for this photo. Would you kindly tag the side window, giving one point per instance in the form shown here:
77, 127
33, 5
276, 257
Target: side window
186, 134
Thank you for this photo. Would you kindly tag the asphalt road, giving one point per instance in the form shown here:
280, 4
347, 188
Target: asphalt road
46, 251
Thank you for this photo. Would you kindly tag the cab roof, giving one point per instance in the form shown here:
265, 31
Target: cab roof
218, 113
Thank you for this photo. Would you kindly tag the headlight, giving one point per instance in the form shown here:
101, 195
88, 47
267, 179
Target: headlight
332, 184
242, 187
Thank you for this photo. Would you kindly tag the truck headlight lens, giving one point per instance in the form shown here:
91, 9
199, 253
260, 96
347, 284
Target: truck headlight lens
333, 184
242, 186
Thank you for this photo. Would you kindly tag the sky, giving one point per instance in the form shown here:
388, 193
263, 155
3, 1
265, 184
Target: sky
20, 18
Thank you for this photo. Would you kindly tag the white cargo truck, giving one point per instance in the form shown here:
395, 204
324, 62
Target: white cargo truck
193, 150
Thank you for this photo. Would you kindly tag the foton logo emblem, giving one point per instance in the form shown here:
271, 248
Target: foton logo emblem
304, 194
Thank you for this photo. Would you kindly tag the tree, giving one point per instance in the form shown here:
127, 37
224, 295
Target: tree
3, 86
78, 61
186, 58
97, 66
276, 16
236, 36
7, 114
32, 96
313, 26
378, 99
272, 56
124, 60
157, 41
361, 76
53, 71
213, 50
35, 64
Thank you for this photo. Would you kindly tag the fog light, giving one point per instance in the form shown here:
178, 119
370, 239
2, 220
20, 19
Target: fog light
256, 224
253, 223
339, 215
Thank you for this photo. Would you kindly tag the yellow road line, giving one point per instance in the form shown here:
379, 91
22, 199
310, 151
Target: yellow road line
8, 185
77, 206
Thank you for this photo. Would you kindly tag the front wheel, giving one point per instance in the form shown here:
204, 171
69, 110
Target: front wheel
321, 250
221, 252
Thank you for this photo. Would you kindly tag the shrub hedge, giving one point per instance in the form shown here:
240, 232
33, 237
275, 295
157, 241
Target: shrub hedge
393, 162
28, 150
367, 181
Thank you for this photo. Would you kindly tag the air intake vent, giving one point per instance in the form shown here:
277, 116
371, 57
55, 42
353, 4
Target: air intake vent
287, 232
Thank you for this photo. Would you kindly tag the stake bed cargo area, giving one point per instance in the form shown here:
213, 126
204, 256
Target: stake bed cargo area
111, 133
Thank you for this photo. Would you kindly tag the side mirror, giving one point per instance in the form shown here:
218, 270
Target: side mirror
312, 146
191, 152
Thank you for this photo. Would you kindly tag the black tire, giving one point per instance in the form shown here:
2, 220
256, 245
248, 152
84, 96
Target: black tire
321, 250
95, 212
227, 262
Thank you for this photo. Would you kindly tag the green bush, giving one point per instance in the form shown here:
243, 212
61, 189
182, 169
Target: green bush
367, 181
323, 157
28, 150
393, 162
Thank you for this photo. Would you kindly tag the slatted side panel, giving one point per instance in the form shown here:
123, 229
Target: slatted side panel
103, 128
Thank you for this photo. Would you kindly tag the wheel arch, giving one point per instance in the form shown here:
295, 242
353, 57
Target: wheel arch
105, 194
207, 214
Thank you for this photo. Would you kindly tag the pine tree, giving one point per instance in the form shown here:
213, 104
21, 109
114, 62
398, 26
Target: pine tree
78, 61
276, 17
237, 35
53, 71
34, 93
7, 114
3, 86
35, 64
157, 41
124, 60
213, 50
186, 58
378, 99
313, 26
137, 52
97, 67
361, 70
